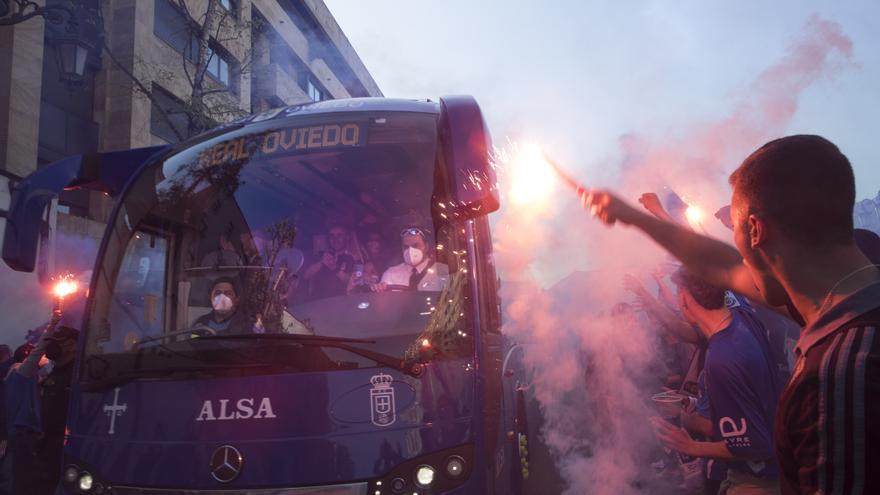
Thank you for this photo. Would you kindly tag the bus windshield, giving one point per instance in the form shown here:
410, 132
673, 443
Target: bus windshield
330, 226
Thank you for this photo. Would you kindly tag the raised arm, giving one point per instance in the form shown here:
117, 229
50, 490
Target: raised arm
652, 203
671, 322
716, 261
666, 295
31, 364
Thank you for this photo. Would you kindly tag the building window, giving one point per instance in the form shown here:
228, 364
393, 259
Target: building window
218, 67
315, 92
172, 26
176, 120
228, 6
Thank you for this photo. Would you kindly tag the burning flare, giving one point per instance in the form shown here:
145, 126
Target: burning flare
694, 214
65, 287
531, 177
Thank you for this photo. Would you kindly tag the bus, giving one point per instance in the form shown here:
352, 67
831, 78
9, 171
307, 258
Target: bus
299, 302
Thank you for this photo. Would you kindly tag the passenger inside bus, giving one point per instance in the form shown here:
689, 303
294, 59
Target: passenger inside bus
375, 255
331, 269
224, 256
251, 254
419, 270
226, 315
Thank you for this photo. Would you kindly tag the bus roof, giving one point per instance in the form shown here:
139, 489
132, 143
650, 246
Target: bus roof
345, 105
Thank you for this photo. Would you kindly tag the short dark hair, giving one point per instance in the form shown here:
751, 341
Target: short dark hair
221, 280
22, 352
804, 185
705, 294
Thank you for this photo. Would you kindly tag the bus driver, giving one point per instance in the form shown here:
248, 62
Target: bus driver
419, 270
225, 316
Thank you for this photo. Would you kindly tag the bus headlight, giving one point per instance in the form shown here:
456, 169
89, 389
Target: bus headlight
424, 476
454, 466
436, 472
71, 473
85, 481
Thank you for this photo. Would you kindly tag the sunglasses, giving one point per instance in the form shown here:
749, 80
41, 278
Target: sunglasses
413, 231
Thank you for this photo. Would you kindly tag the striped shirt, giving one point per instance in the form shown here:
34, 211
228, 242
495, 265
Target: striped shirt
828, 422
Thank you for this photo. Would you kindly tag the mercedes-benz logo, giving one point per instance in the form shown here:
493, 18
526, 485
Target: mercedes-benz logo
226, 463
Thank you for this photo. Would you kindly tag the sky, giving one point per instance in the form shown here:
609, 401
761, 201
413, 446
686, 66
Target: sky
579, 77
629, 95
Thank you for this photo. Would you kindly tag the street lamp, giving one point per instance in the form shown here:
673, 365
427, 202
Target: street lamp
73, 42
71, 52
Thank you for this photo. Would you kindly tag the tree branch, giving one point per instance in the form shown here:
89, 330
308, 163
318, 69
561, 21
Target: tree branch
143, 89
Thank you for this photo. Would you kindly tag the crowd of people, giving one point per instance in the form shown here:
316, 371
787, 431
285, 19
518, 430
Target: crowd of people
755, 415
778, 427
341, 269
347, 263
35, 394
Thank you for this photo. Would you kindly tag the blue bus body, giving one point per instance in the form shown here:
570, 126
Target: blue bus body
355, 392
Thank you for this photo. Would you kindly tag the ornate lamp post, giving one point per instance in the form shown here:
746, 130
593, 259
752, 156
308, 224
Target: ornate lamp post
24, 10
74, 29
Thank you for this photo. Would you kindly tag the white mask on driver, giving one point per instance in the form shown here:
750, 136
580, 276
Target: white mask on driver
222, 303
413, 256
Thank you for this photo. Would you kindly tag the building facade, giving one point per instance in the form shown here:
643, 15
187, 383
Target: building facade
144, 88
866, 214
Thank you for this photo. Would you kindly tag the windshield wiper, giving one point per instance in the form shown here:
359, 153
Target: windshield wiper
127, 376
412, 369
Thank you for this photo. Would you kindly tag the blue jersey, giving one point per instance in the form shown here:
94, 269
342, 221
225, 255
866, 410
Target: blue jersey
743, 386
716, 469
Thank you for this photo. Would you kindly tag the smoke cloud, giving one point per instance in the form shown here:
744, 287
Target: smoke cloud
25, 303
591, 373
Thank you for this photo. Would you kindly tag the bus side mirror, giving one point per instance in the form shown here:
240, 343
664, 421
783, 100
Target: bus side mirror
106, 172
467, 147
29, 199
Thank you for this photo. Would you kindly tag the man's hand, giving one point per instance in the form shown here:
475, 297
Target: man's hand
379, 287
658, 274
672, 436
608, 207
44, 339
56, 317
633, 284
723, 214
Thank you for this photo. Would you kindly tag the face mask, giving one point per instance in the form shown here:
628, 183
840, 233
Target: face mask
413, 256
54, 351
222, 303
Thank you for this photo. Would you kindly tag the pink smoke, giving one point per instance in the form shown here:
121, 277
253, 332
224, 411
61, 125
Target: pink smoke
698, 161
594, 426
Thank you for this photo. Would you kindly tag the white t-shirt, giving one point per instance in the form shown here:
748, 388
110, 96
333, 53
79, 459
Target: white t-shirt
435, 280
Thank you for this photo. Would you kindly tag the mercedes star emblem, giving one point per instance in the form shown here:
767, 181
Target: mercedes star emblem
226, 463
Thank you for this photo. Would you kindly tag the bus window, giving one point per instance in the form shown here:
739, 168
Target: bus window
137, 307
323, 228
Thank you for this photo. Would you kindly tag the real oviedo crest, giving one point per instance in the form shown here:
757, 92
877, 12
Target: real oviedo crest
382, 408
